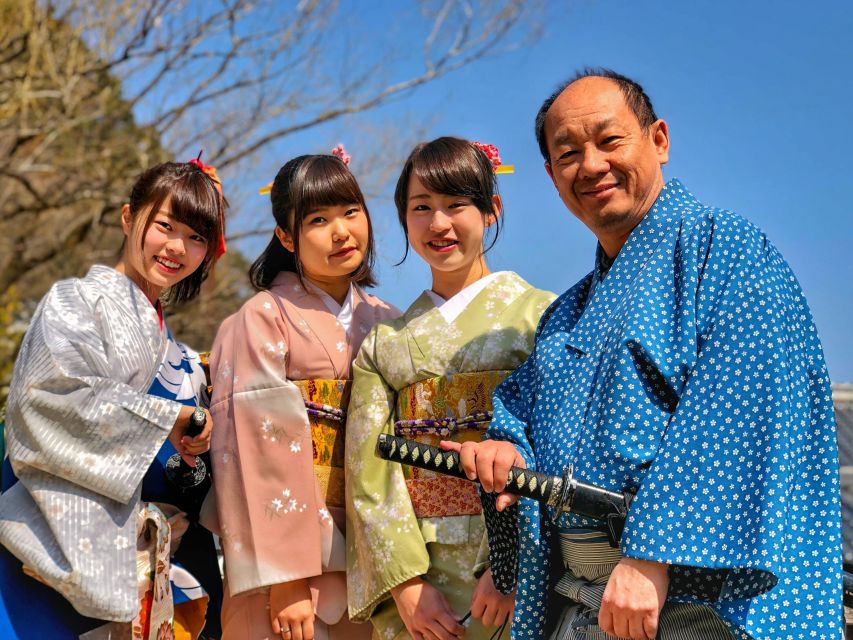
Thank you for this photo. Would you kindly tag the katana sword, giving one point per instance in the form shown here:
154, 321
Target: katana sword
564, 494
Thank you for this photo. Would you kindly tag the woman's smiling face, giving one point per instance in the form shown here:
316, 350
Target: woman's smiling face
168, 252
445, 230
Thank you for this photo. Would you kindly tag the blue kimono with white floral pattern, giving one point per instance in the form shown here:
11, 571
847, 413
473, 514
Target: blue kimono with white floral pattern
690, 372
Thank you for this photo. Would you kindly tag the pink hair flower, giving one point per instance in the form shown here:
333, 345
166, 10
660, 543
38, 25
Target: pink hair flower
340, 152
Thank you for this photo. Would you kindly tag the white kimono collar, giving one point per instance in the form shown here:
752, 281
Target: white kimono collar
451, 308
343, 313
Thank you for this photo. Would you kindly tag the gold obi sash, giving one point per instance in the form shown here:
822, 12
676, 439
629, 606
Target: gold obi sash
326, 402
457, 407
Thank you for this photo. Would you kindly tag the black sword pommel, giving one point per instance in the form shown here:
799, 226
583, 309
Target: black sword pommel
562, 493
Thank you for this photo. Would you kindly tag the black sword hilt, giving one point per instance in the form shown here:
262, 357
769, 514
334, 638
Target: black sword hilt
521, 482
563, 493
196, 422
178, 471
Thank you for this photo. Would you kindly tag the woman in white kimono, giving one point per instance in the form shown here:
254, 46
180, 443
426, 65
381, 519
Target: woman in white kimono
414, 538
281, 384
88, 412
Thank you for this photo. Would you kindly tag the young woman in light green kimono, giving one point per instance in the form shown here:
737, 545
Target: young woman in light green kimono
414, 539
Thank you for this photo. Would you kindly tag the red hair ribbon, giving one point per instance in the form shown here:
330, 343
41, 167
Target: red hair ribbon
494, 157
210, 171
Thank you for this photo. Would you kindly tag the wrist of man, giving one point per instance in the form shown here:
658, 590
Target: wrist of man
641, 564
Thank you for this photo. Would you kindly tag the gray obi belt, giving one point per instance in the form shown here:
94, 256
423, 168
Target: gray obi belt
588, 560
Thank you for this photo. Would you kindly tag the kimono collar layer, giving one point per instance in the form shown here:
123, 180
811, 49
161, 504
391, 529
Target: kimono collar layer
458, 343
343, 312
456, 304
613, 282
128, 297
312, 315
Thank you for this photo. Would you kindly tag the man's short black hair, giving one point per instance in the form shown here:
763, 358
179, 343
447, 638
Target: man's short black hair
635, 97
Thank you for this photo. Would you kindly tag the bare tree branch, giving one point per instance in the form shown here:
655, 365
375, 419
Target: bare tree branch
94, 91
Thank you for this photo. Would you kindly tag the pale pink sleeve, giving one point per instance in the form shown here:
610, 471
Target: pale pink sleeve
272, 526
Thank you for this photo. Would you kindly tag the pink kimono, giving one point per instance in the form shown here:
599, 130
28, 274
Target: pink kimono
280, 368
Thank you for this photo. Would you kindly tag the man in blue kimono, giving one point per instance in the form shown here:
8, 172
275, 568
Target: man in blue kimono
685, 368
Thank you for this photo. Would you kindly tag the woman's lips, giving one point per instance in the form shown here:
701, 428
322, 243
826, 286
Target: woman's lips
166, 265
344, 253
442, 246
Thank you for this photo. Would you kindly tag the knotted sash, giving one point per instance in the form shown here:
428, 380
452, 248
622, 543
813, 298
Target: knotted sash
326, 402
457, 407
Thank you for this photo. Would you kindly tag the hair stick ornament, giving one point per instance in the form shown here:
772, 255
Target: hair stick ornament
494, 157
210, 171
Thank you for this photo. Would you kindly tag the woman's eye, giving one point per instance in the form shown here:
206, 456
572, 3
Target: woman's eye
164, 225
317, 220
420, 207
198, 238
352, 212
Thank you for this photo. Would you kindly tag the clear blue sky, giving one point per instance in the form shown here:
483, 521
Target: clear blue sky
758, 99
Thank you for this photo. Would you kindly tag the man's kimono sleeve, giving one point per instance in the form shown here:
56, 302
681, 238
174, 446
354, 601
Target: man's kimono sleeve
273, 524
508, 554
384, 542
748, 464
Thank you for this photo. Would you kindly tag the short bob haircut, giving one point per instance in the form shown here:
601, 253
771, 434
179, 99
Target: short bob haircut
194, 201
301, 186
451, 166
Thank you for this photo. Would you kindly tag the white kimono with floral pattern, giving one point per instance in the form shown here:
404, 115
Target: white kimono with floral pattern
81, 431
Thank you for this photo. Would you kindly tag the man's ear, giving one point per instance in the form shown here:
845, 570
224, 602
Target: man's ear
660, 138
284, 238
550, 172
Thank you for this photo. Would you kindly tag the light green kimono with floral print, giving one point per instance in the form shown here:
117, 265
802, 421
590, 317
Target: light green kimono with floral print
387, 543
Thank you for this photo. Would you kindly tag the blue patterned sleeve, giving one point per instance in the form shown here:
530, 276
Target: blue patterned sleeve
516, 539
512, 402
744, 488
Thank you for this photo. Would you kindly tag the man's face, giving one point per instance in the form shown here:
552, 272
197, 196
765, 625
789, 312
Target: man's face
606, 168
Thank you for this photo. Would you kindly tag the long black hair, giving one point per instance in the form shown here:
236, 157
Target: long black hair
302, 185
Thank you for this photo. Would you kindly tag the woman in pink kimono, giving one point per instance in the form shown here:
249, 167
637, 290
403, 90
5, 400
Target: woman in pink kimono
281, 381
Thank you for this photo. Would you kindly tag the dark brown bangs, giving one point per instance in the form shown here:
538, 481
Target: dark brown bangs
325, 182
195, 203
455, 167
